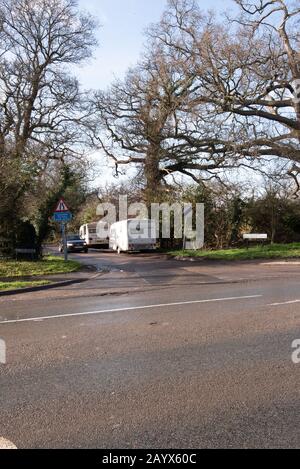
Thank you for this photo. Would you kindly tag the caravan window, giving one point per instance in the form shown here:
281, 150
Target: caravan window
137, 228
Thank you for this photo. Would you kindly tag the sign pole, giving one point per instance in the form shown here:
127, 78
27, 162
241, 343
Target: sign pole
65, 241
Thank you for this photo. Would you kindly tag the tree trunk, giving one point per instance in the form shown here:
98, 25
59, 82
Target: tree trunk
152, 175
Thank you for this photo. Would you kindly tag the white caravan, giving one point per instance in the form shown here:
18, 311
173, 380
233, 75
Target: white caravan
90, 234
133, 235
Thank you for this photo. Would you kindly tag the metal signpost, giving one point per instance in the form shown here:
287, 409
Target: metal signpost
63, 216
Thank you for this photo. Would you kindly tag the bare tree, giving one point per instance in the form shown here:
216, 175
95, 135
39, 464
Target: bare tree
208, 97
41, 104
246, 72
148, 120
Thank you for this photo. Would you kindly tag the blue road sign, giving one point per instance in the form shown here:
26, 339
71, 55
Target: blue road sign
62, 217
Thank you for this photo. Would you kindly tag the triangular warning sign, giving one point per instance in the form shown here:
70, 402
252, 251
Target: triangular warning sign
62, 206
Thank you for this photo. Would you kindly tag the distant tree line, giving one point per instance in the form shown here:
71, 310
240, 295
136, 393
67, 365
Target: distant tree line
230, 212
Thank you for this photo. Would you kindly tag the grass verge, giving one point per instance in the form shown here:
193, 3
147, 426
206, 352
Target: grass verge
50, 265
274, 251
18, 285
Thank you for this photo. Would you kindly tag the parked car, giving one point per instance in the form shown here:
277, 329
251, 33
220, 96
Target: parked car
74, 244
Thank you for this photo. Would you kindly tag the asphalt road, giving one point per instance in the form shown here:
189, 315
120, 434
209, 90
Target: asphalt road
154, 353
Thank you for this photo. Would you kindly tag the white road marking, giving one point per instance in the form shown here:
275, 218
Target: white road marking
293, 302
282, 263
5, 444
133, 308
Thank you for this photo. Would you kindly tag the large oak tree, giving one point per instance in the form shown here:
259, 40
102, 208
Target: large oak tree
209, 96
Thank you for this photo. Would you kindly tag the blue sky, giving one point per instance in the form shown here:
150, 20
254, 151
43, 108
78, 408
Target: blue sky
121, 35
